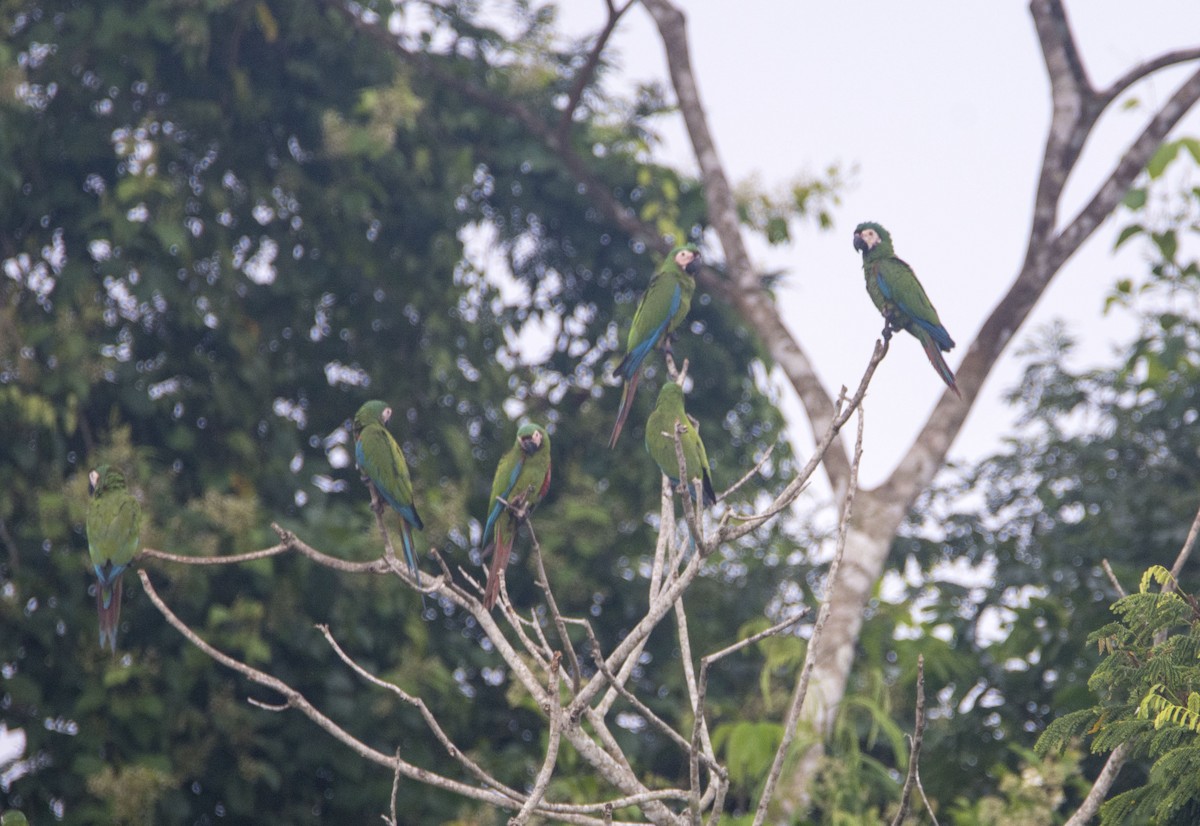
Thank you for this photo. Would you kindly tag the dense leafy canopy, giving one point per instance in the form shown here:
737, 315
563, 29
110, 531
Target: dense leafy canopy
225, 226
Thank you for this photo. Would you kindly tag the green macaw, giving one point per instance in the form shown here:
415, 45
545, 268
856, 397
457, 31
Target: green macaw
386, 473
114, 522
522, 479
898, 295
663, 308
660, 442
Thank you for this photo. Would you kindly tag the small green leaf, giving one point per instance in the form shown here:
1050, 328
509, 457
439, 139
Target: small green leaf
1162, 158
1127, 233
1135, 198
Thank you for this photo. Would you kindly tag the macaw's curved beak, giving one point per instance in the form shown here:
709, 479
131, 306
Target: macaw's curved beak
859, 243
693, 266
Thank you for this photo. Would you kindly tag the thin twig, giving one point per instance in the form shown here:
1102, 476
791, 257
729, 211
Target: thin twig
297, 701
419, 704
1112, 577
750, 474
844, 409
658, 575
552, 604
761, 635
393, 821
700, 735
235, 559
914, 754
638, 706
588, 70
699, 724
793, 713
1186, 551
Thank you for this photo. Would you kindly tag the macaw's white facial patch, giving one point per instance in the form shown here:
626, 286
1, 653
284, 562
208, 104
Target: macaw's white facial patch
685, 257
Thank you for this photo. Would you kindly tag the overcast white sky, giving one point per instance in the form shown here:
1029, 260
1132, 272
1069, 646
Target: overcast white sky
943, 107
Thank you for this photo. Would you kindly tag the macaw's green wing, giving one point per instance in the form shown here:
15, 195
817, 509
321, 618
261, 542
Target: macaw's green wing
114, 524
380, 458
508, 472
651, 321
710, 495
899, 285
660, 442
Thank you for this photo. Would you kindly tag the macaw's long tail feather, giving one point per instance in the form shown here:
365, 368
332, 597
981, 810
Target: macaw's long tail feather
108, 608
933, 351
500, 549
627, 395
410, 553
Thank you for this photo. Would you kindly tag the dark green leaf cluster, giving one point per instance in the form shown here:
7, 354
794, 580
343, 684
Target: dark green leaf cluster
1147, 685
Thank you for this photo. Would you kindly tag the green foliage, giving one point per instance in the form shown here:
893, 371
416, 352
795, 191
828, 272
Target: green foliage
1146, 702
225, 226
772, 215
1033, 795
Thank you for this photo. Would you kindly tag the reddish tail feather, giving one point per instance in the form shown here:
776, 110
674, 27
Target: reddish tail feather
501, 548
935, 358
627, 395
108, 608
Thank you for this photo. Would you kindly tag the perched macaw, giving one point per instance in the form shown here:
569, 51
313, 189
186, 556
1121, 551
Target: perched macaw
663, 307
660, 442
899, 296
386, 472
114, 522
522, 479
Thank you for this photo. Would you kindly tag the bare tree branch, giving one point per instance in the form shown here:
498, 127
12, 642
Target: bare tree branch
553, 710
297, 701
587, 72
792, 720
439, 733
552, 604
1095, 796
843, 410
912, 778
1143, 70
750, 474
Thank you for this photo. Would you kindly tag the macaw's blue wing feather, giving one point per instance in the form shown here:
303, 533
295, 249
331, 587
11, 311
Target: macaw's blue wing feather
884, 289
937, 332
378, 474
632, 363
